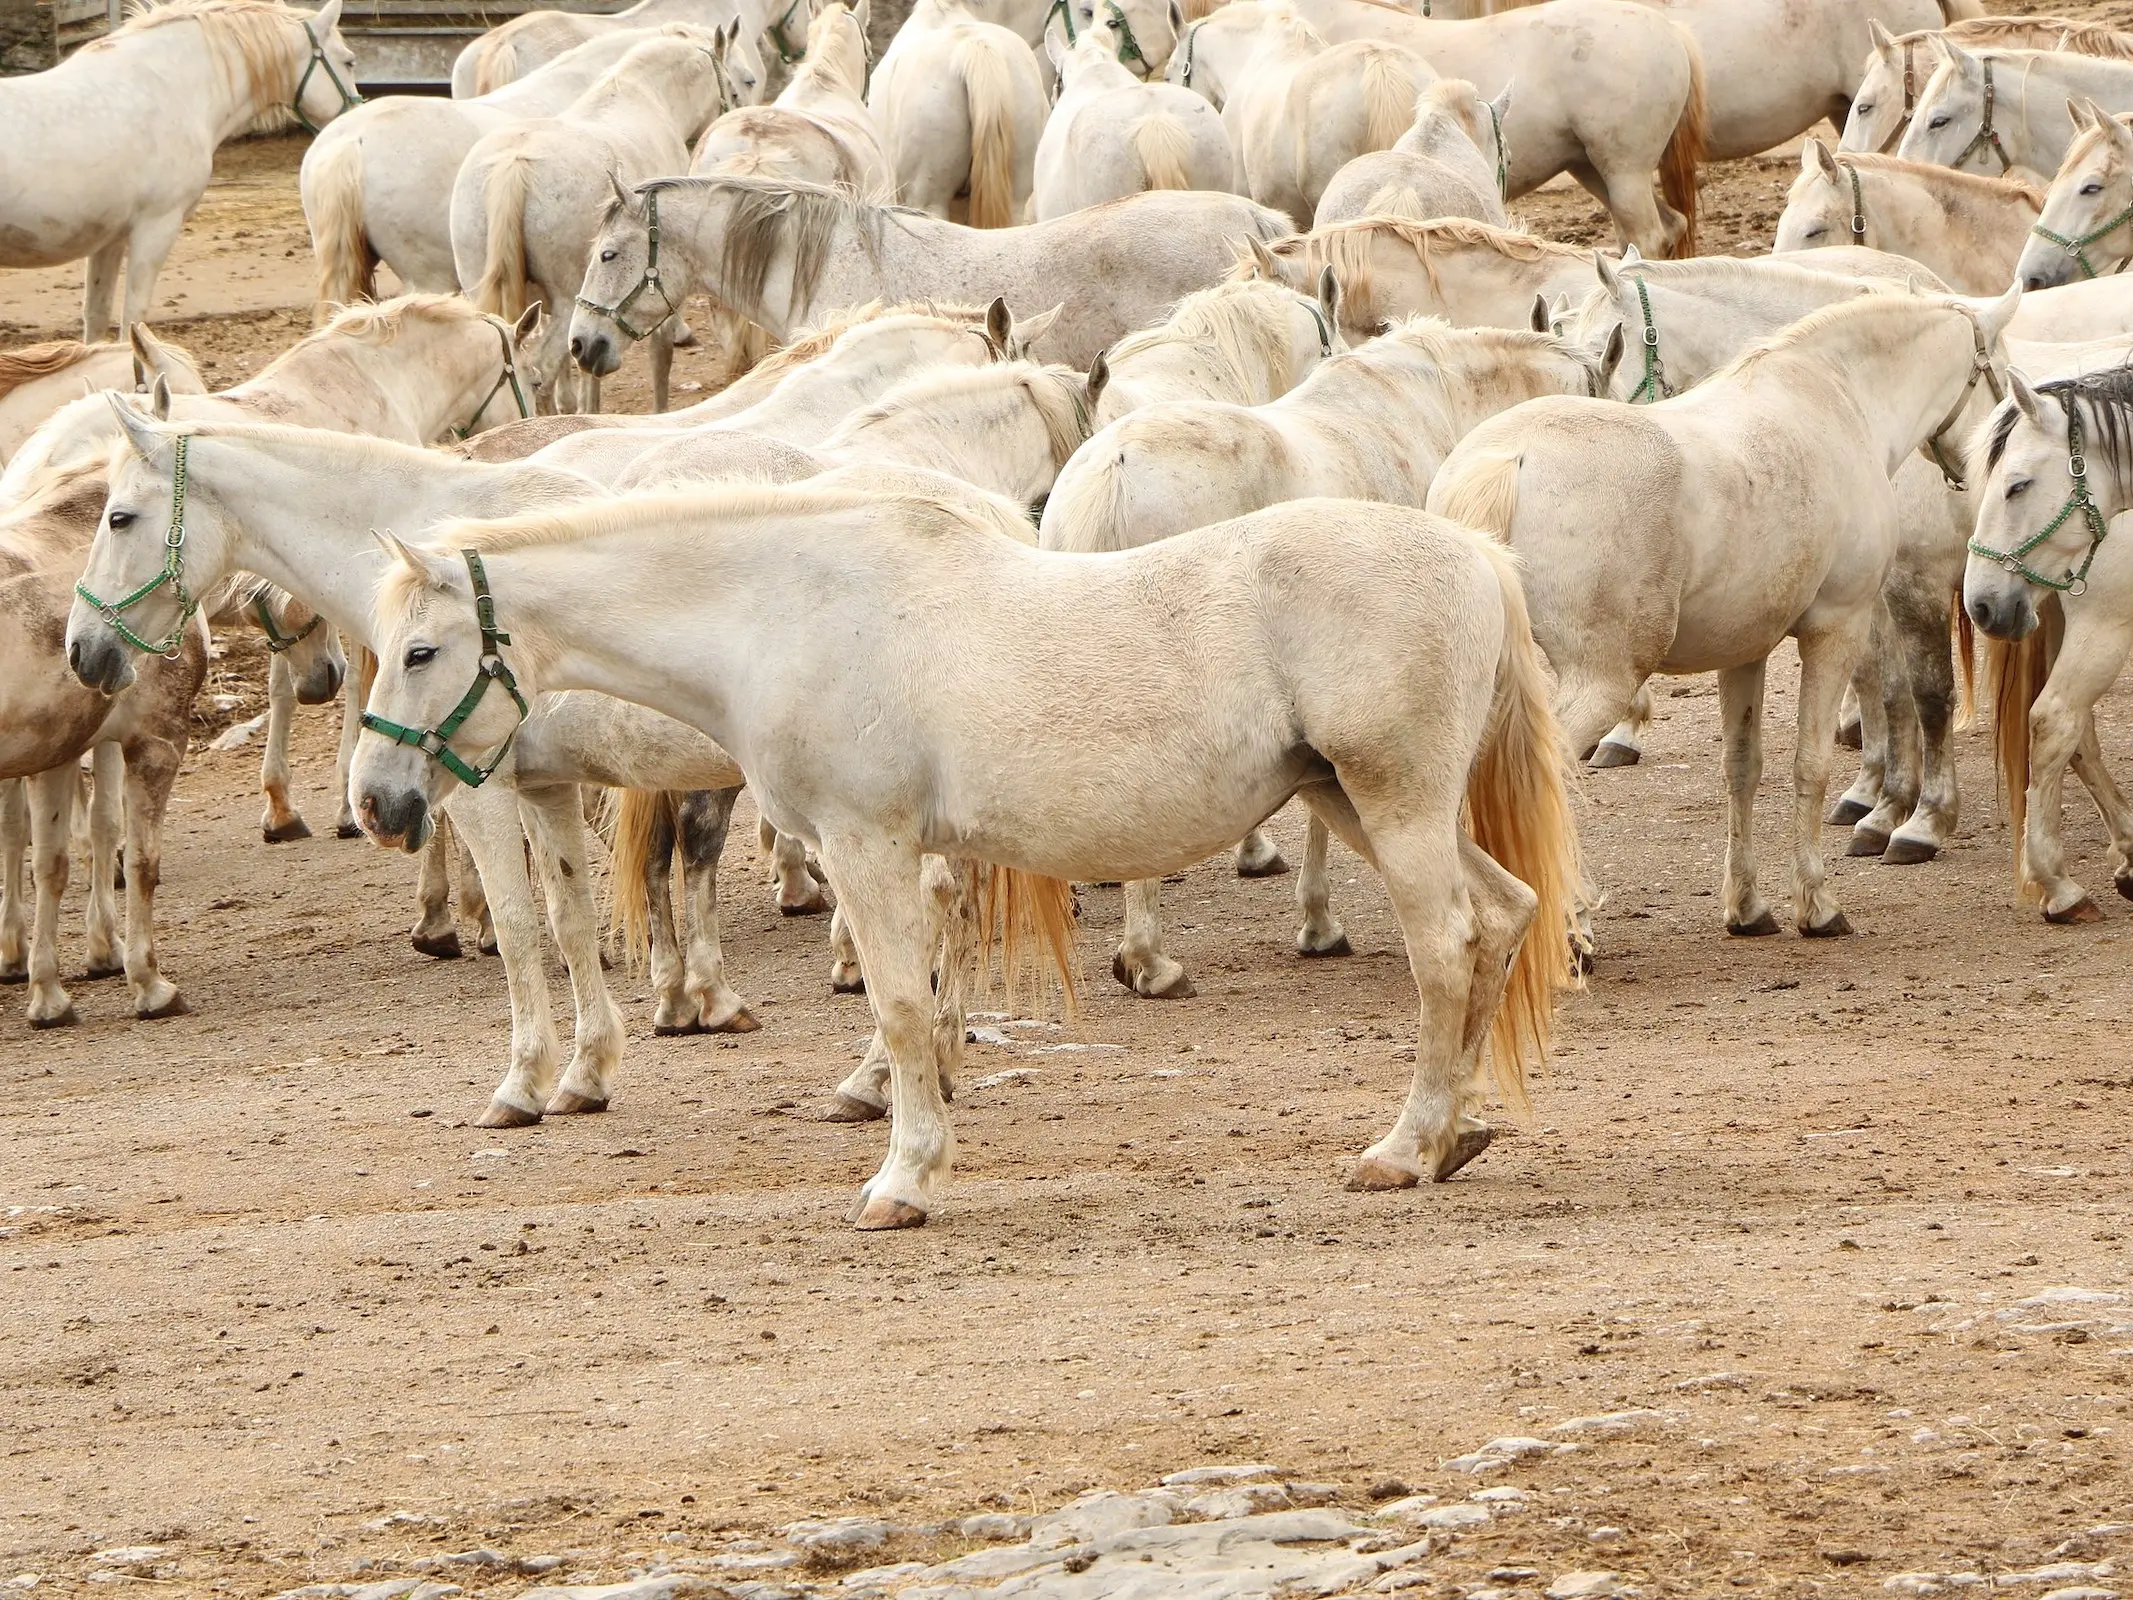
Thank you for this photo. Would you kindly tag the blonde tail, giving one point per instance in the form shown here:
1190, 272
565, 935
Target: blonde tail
1483, 494
1087, 507
1396, 200
1388, 98
1164, 149
498, 66
642, 816
1966, 658
1686, 148
1029, 919
992, 132
2014, 676
347, 265
1518, 812
502, 287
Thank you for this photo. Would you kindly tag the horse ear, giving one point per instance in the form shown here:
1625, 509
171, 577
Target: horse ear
1611, 355
149, 444
528, 326
1632, 256
1818, 156
863, 14
1030, 329
2025, 398
1542, 321
1329, 297
428, 565
2078, 113
1055, 50
1263, 259
999, 325
326, 19
151, 356
1993, 320
623, 197
159, 399
1965, 62
1884, 41
1501, 105
1610, 280
1099, 376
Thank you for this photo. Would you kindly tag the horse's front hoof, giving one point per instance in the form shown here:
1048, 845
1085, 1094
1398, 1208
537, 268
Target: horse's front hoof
1470, 1143
1837, 927
101, 970
1372, 1173
1176, 987
15, 975
570, 1103
844, 1107
2082, 910
1846, 812
175, 1006
2125, 892
1271, 865
285, 832
804, 908
881, 1215
1904, 852
854, 982
347, 830
63, 1019
1610, 754
676, 1030
501, 1113
742, 1021
1339, 947
1761, 928
1867, 842
444, 946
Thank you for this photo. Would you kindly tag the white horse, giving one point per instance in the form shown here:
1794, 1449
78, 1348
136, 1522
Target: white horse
1370, 424
2085, 229
780, 254
528, 196
1998, 110
1110, 134
1608, 91
377, 184
1297, 110
1452, 162
1967, 230
1245, 342
1144, 31
1888, 91
961, 106
108, 153
38, 379
516, 49
1371, 658
2055, 595
819, 129
1755, 506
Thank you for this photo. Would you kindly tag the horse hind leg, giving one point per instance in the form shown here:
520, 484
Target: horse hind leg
355, 691
1638, 215
1826, 662
1321, 933
2103, 789
1623, 744
14, 912
281, 821
673, 1014
800, 892
1923, 623
433, 934
704, 816
473, 902
1884, 664
51, 800
151, 767
107, 820
1740, 710
147, 247
1140, 962
1259, 857
1870, 705
99, 286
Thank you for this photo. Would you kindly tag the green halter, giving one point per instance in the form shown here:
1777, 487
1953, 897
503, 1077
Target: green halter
1985, 134
2077, 501
1065, 13
114, 611
1858, 206
1503, 160
2079, 248
277, 641
1654, 386
1192, 40
349, 98
508, 375
1129, 48
1935, 449
1325, 332
618, 313
436, 742
776, 30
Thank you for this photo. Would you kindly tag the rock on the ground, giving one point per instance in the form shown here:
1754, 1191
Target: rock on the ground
1238, 1500
665, 1586
1099, 1516
838, 1538
1200, 1477
1499, 1453
1587, 1586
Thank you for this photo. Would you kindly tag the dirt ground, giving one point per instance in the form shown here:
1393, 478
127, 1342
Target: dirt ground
272, 1305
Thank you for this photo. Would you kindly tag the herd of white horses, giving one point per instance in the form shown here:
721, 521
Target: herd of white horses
1157, 416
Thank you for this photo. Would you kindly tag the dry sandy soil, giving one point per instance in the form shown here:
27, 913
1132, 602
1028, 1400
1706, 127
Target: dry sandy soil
264, 1288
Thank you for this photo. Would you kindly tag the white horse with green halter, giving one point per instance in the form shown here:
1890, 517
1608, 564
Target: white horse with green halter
784, 254
2000, 110
1373, 659
109, 152
1371, 423
1111, 134
1967, 230
1755, 506
528, 196
1452, 162
1143, 32
961, 106
2086, 227
514, 50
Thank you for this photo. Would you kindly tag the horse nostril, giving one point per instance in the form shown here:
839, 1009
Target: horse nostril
74, 657
577, 349
2031, 283
1980, 613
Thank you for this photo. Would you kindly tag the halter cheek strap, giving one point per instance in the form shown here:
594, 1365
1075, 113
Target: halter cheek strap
1325, 332
1654, 386
1129, 48
1935, 449
1858, 222
1985, 134
1910, 99
618, 313
776, 30
508, 375
277, 641
436, 742
349, 98
114, 611
2079, 248
1503, 158
1192, 40
2078, 502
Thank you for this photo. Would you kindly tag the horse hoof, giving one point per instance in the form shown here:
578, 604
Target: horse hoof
857, 984
1904, 852
503, 1114
66, 1019
1610, 754
2125, 892
880, 1215
569, 1103
1867, 842
1470, 1143
1271, 866
445, 947
1339, 947
804, 908
1179, 988
175, 1006
675, 1030
1846, 812
2082, 910
93, 974
740, 1022
21, 975
1837, 927
1372, 1174
1762, 927
347, 830
490, 947
284, 832
1583, 958
850, 1108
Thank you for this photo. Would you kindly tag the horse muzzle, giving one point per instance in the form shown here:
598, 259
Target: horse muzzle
595, 353
320, 684
396, 820
102, 664
2008, 616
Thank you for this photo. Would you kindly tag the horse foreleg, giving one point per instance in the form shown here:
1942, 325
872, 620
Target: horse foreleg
2060, 723
800, 893
704, 817
14, 914
355, 693
878, 890
147, 247
2103, 789
662, 363
674, 1013
1922, 623
1627, 195
1740, 714
1826, 661
99, 284
472, 901
1140, 962
51, 803
281, 822
557, 828
1903, 761
434, 934
488, 820
845, 974
1877, 669
1321, 933
151, 773
107, 816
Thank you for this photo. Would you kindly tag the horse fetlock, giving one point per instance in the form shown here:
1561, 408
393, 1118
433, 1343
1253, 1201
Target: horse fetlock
1151, 976
1259, 857
51, 1007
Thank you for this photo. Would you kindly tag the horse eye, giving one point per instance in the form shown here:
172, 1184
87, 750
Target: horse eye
419, 655
2092, 188
1865, 108
2017, 487
121, 521
607, 255
1938, 122
1814, 233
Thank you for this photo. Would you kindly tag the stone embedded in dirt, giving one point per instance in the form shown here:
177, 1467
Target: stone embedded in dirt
1459, 1516
1499, 1453
1710, 1381
1616, 1421
1196, 1477
880, 1578
1587, 1586
1501, 1495
388, 1589
664, 1586
2080, 1592
238, 734
1913, 1583
1389, 1489
2058, 1572
1314, 1494
494, 1560
838, 1538
1098, 1516
1238, 1500
1407, 1509
995, 1526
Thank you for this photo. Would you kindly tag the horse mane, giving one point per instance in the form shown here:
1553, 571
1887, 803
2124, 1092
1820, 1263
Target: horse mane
255, 30
1345, 246
1223, 321
1807, 329
1054, 393
35, 361
817, 62
1447, 347
1751, 270
2073, 38
2106, 402
1958, 185
381, 323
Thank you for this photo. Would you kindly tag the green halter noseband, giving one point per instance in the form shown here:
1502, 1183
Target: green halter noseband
114, 611
436, 742
508, 375
618, 313
2079, 248
1129, 48
776, 30
349, 98
2077, 502
1985, 134
1654, 386
277, 641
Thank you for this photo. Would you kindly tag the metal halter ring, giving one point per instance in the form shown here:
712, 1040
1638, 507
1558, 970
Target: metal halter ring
2078, 501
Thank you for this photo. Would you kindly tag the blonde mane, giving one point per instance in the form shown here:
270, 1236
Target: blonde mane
1808, 329
35, 361
1945, 182
256, 33
2033, 33
1346, 247
820, 63
1229, 323
1053, 392
378, 324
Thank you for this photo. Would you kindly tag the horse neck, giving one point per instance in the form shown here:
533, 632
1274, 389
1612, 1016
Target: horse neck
823, 393
2040, 92
220, 92
1091, 73
1481, 286
695, 219
831, 79
650, 97
410, 388
1442, 138
1704, 325
1004, 450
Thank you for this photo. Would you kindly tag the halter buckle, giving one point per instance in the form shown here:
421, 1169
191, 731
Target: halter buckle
2077, 587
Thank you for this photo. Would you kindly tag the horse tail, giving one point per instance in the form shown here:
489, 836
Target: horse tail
1087, 507
1966, 658
1029, 919
1518, 812
1482, 494
496, 66
1397, 200
1164, 149
2014, 676
1960, 11
642, 817
347, 265
1388, 97
990, 91
1686, 147
502, 287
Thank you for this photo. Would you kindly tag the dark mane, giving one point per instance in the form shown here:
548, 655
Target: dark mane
2105, 400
